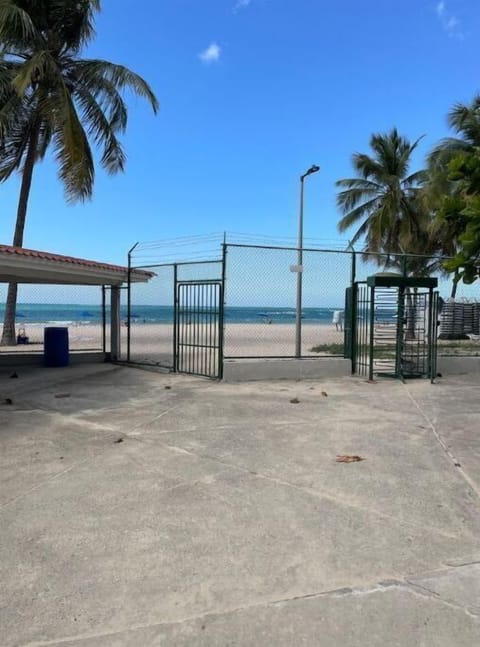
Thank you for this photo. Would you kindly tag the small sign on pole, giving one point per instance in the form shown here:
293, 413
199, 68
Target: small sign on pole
296, 268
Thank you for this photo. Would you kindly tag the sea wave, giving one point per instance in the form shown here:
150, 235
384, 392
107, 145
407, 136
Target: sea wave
277, 313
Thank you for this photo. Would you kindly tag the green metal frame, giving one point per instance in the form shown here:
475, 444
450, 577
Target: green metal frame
198, 328
396, 281
348, 325
104, 320
415, 357
361, 329
399, 345
433, 327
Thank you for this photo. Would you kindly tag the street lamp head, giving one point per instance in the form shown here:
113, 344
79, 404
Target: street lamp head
311, 170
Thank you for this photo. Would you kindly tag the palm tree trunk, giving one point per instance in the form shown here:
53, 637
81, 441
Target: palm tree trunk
455, 281
411, 314
8, 334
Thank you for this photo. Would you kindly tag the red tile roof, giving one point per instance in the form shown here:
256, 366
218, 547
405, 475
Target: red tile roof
59, 258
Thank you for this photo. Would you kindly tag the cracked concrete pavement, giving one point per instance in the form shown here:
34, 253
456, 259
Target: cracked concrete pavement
222, 517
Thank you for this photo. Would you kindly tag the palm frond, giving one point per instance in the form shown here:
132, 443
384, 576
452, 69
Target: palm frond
16, 26
443, 152
358, 183
74, 22
363, 211
465, 120
44, 138
360, 233
14, 147
352, 198
10, 107
71, 147
367, 167
415, 180
121, 78
40, 66
102, 131
104, 92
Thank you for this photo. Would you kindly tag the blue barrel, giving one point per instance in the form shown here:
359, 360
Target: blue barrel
55, 347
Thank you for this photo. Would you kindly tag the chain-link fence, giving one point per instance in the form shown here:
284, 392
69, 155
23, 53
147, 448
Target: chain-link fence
279, 302
262, 285
80, 308
262, 296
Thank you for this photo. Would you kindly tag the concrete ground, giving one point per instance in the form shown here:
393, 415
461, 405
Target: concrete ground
223, 518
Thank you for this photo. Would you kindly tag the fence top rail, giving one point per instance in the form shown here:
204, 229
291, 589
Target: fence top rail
200, 282
290, 249
338, 251
216, 260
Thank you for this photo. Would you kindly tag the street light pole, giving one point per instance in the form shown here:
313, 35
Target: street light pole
298, 311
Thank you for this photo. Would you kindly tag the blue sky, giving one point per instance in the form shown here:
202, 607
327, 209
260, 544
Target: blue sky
251, 95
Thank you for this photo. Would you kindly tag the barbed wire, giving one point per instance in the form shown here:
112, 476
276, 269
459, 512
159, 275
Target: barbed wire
208, 246
196, 245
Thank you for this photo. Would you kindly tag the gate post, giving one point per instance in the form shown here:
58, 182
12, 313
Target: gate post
432, 334
129, 298
347, 330
349, 320
221, 312
175, 319
354, 324
372, 330
104, 321
115, 324
400, 333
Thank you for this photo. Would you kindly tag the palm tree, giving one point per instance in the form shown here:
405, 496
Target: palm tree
465, 121
442, 188
382, 199
51, 98
385, 200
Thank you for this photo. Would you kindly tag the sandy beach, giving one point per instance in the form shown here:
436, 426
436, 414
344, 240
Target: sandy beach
240, 340
154, 342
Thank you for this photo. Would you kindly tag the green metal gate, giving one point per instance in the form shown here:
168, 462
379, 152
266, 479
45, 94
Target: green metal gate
198, 328
360, 344
392, 328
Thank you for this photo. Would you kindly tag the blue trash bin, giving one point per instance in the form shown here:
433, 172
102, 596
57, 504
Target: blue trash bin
55, 347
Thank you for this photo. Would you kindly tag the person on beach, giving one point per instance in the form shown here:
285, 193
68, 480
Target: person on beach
338, 320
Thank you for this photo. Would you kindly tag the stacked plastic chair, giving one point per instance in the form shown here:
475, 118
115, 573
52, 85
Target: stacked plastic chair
476, 318
447, 319
468, 317
459, 319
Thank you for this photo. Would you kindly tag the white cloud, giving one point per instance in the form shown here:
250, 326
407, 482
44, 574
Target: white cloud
450, 23
242, 4
441, 8
211, 54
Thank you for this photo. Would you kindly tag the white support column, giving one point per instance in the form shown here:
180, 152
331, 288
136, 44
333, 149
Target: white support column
115, 324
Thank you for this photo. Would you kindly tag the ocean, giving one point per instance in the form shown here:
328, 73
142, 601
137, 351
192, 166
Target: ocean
71, 314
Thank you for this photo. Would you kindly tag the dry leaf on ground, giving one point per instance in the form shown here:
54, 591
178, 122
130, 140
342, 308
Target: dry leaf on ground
349, 458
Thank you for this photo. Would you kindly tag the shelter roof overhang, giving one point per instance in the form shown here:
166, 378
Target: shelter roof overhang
20, 265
